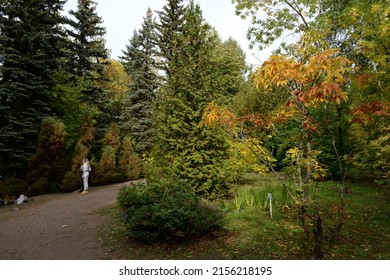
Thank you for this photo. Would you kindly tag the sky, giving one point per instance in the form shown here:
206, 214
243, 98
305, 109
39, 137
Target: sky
122, 17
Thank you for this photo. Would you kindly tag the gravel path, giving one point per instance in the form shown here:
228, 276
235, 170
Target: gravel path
57, 226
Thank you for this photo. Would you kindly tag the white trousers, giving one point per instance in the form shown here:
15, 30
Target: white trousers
85, 180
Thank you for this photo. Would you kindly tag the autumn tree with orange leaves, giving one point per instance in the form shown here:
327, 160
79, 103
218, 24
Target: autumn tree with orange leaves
313, 80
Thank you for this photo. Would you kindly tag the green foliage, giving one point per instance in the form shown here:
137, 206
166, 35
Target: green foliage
115, 85
360, 31
372, 161
281, 17
139, 60
66, 102
200, 160
30, 46
169, 28
106, 170
250, 234
87, 58
167, 213
129, 162
39, 186
87, 53
72, 180
229, 69
197, 75
257, 198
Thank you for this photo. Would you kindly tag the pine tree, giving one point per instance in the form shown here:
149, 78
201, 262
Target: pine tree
30, 40
88, 54
140, 63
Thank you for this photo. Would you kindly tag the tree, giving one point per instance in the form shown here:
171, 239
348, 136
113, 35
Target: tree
30, 46
140, 63
229, 68
271, 19
116, 87
368, 133
106, 170
171, 20
359, 30
88, 55
313, 81
193, 154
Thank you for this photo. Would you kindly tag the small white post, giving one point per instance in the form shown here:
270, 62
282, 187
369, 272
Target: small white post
270, 204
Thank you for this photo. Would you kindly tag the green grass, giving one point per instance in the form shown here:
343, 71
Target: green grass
250, 233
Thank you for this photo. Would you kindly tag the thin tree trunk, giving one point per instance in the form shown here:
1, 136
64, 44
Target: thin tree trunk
318, 239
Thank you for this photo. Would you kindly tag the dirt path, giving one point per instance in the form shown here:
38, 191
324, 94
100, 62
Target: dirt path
56, 226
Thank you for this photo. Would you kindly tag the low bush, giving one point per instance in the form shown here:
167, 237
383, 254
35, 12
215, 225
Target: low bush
155, 212
12, 187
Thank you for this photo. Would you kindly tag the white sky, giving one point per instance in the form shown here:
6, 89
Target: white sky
121, 17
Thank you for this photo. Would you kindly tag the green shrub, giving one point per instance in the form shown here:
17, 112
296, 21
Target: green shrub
38, 187
129, 163
71, 182
106, 171
155, 212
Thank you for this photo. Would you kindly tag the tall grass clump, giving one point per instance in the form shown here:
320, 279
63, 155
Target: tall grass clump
256, 197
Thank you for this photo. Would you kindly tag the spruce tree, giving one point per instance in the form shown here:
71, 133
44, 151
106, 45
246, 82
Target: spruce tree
169, 28
88, 54
30, 39
139, 60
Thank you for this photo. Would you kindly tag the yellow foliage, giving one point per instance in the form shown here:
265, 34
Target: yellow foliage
247, 154
214, 115
309, 163
317, 80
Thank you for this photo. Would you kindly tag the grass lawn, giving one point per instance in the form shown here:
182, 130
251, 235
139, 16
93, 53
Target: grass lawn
250, 232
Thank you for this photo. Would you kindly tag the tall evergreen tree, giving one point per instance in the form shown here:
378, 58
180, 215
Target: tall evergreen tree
30, 39
140, 62
88, 54
193, 154
170, 26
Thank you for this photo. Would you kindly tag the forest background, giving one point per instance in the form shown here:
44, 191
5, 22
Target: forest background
63, 99
180, 106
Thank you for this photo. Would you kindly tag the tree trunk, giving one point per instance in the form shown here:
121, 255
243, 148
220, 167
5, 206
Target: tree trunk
318, 238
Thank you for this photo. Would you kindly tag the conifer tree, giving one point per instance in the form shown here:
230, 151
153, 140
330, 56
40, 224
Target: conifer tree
30, 39
139, 60
196, 155
170, 26
88, 54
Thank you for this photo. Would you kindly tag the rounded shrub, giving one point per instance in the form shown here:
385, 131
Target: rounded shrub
156, 212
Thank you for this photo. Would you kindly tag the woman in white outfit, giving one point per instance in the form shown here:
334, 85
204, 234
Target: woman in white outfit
85, 168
